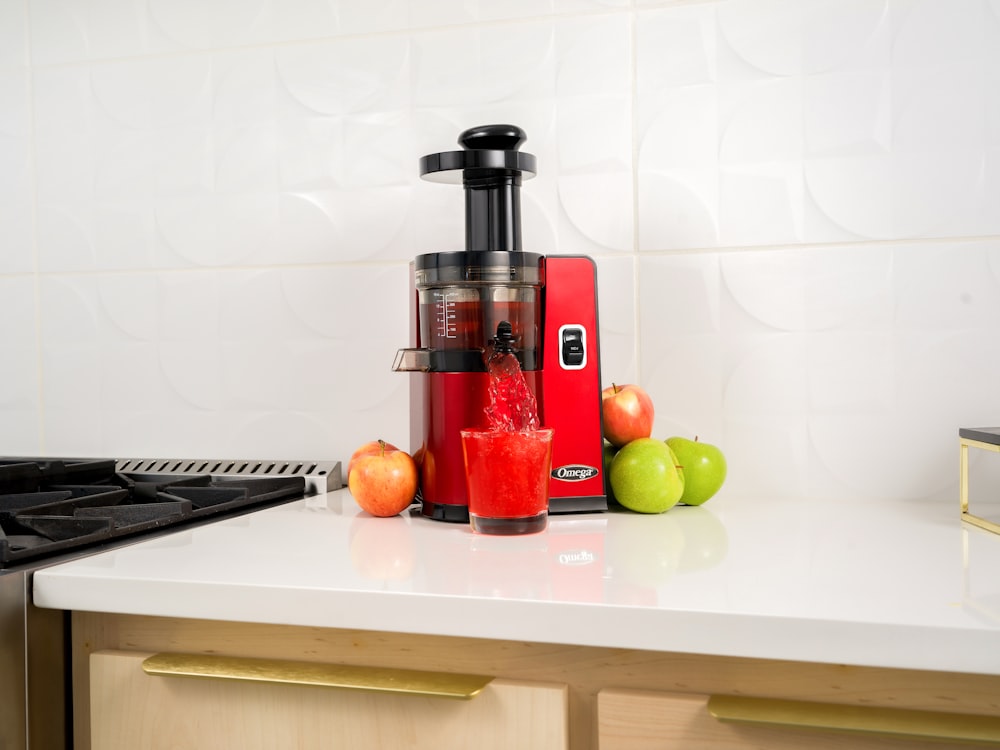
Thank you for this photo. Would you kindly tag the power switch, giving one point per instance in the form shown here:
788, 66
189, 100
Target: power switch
572, 347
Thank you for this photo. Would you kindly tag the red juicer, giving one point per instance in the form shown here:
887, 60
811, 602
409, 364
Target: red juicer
459, 299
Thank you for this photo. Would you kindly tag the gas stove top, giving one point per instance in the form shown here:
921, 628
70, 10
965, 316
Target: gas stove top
49, 506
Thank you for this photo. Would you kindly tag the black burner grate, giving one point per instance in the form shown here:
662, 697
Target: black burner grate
49, 506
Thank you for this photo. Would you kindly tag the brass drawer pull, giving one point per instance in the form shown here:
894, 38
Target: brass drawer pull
898, 722
375, 679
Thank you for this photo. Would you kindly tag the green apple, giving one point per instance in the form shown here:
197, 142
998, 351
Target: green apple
645, 476
704, 468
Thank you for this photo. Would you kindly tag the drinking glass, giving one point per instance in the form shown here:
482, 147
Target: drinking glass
507, 478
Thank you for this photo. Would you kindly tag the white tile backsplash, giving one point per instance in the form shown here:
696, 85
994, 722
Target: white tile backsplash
13, 34
15, 168
854, 365
19, 364
789, 122
792, 205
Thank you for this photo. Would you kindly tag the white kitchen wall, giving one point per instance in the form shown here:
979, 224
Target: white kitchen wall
207, 210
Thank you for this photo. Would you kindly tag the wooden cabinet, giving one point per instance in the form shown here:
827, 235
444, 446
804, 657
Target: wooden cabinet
609, 698
644, 720
252, 711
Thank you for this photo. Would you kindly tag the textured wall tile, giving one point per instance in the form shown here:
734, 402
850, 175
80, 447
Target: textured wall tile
173, 363
678, 128
100, 29
13, 34
15, 172
790, 38
117, 142
302, 154
616, 317
830, 121
800, 353
345, 157
19, 397
452, 68
681, 343
594, 132
374, 16
812, 290
65, 31
448, 12
71, 360
344, 76
315, 346
925, 177
198, 25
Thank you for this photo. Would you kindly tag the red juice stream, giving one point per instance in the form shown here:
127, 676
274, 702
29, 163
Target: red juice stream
508, 463
512, 405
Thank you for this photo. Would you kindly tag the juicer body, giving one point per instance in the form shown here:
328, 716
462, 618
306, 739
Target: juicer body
459, 298
569, 394
563, 372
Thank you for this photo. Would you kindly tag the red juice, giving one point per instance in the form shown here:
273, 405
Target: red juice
451, 321
507, 476
513, 407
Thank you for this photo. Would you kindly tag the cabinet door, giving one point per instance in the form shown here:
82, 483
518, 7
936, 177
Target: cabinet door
639, 720
131, 709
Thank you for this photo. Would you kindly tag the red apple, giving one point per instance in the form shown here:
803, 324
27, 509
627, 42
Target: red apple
628, 414
369, 449
383, 483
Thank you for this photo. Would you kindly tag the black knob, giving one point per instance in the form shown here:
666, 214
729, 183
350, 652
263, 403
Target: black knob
493, 138
504, 340
487, 150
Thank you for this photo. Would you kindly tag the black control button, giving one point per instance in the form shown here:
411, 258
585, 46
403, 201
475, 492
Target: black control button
573, 348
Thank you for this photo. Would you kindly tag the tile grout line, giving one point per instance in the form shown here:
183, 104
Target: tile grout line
35, 272
636, 286
403, 32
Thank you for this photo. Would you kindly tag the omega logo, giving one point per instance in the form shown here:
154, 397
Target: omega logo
574, 473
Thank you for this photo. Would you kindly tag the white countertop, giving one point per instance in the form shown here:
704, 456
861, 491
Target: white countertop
889, 584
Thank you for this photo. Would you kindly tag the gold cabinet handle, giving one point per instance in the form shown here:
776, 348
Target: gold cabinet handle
375, 679
897, 722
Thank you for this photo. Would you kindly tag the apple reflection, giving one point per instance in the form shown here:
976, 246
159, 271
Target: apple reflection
643, 549
382, 548
706, 541
645, 552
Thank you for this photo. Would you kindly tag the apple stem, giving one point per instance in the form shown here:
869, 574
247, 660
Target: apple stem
381, 447
696, 438
615, 386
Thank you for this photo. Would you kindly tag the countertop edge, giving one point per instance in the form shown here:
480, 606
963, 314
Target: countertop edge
880, 645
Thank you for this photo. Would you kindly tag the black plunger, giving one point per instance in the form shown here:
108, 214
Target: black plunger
491, 167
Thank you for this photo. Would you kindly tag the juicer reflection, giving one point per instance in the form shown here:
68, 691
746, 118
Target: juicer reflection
459, 299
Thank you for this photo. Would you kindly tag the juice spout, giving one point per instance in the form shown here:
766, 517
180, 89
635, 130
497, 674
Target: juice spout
512, 406
503, 342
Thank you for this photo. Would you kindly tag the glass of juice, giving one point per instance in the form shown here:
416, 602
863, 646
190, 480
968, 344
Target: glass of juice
507, 478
